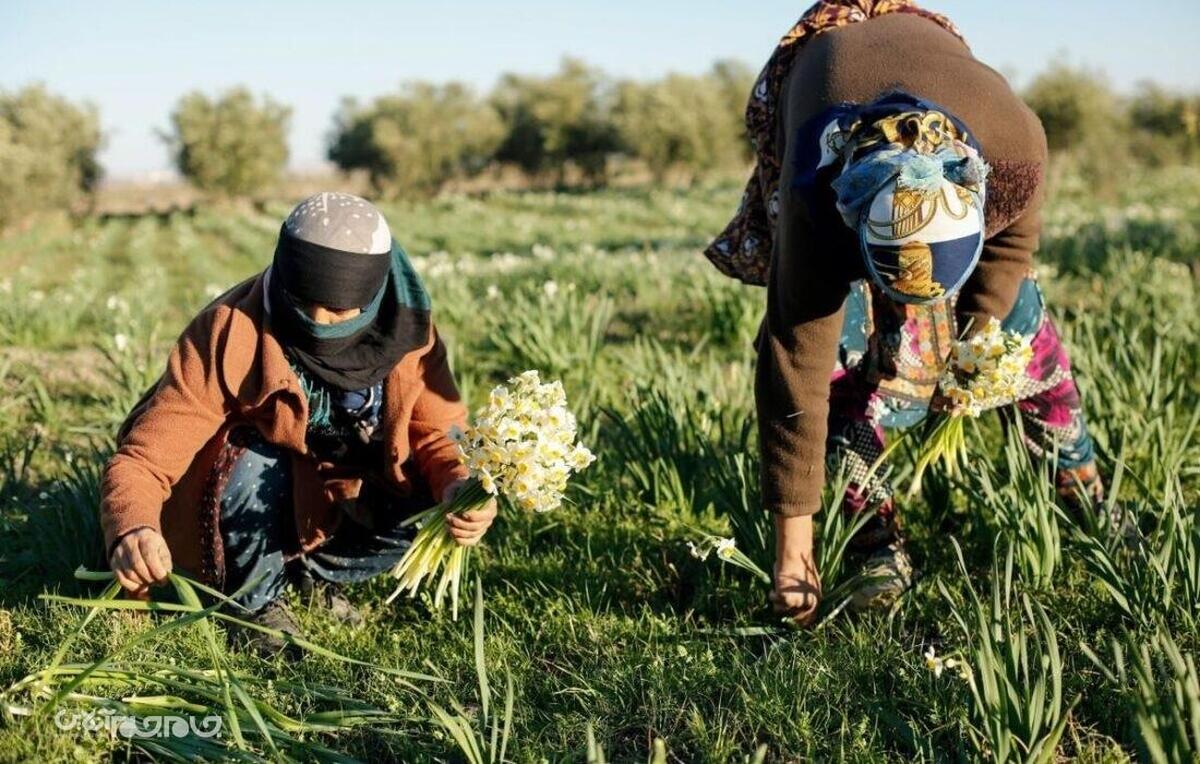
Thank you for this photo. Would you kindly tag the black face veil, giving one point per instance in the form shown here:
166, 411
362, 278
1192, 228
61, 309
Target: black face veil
360, 352
313, 273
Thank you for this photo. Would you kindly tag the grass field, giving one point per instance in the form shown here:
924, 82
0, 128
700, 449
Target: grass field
1079, 646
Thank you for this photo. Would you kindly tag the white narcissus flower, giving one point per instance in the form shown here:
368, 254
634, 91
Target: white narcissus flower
555, 416
528, 380
524, 407
726, 548
487, 481
932, 662
551, 451
508, 429
580, 458
557, 474
554, 394
698, 552
938, 665
499, 398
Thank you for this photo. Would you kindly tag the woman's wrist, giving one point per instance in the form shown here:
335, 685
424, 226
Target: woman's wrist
793, 544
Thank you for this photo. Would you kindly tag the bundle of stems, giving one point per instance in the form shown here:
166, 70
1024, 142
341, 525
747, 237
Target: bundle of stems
251, 729
434, 552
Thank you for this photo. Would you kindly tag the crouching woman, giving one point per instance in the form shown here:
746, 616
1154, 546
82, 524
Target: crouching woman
303, 415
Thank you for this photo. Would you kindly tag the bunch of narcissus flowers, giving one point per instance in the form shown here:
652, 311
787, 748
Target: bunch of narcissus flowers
986, 370
522, 446
523, 443
983, 372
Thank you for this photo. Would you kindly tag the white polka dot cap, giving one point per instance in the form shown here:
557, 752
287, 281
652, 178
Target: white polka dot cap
340, 221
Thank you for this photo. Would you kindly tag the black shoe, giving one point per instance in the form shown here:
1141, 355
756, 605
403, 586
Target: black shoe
1118, 522
886, 574
328, 597
276, 616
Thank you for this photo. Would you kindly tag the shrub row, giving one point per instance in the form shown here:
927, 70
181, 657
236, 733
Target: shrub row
567, 127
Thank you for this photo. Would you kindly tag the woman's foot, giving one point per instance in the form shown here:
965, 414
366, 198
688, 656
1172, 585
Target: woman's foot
328, 596
1119, 522
277, 617
886, 573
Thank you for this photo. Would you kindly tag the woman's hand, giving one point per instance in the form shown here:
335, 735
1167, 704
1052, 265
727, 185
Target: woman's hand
468, 528
797, 590
940, 404
140, 560
797, 593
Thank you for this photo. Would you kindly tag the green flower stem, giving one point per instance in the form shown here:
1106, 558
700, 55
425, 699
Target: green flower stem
740, 559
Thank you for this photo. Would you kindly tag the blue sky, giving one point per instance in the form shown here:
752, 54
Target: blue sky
134, 59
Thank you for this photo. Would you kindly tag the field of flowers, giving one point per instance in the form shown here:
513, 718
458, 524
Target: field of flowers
1030, 635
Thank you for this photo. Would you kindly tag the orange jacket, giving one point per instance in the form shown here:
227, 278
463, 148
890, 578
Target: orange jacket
228, 370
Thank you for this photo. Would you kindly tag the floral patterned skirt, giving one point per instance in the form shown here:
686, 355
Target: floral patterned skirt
889, 360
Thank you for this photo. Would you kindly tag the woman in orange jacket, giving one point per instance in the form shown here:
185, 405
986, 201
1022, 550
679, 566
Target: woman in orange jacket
301, 417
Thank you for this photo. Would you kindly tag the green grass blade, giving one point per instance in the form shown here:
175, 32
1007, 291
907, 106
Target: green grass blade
485, 691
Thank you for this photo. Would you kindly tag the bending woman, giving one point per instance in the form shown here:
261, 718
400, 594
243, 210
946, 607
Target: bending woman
895, 204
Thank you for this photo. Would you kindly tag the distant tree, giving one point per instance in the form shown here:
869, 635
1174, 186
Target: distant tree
553, 121
1075, 106
48, 148
1085, 122
1167, 124
417, 140
681, 124
735, 79
231, 144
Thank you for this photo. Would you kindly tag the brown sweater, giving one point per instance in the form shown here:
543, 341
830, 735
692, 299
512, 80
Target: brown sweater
816, 257
225, 371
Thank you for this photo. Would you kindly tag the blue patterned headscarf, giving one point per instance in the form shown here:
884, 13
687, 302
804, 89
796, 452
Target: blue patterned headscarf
913, 187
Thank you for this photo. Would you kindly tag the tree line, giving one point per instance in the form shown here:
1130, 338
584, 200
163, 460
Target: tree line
571, 127
571, 124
